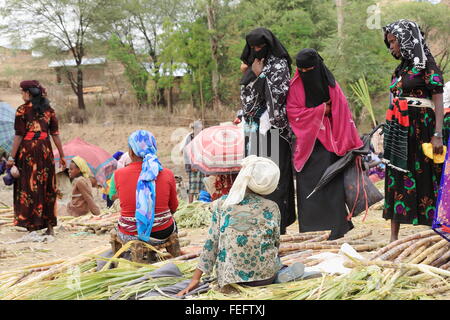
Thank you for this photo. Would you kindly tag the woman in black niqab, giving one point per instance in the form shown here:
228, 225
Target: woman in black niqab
258, 37
317, 80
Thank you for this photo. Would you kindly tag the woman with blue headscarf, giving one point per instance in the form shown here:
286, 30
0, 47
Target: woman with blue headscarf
147, 193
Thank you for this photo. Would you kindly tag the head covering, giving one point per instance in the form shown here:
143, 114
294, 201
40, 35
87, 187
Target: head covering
412, 42
143, 144
197, 126
316, 81
260, 175
124, 161
29, 84
83, 166
38, 95
273, 47
117, 155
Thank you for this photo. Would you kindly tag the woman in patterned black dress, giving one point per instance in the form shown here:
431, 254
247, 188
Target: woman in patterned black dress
35, 189
414, 117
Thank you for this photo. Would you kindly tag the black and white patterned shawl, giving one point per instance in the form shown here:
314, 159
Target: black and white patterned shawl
412, 42
268, 94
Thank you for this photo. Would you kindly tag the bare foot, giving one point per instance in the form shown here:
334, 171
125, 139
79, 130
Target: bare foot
50, 231
393, 239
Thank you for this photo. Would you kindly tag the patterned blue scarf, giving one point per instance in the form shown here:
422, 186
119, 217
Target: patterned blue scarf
143, 144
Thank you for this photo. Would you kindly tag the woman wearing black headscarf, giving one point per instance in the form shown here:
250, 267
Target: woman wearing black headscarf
415, 116
264, 86
322, 123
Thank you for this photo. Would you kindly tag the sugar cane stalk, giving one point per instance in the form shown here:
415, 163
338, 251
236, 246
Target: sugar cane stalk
415, 236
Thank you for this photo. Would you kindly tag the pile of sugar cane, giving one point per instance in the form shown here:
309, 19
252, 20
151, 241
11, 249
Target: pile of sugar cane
299, 247
427, 248
6, 216
93, 224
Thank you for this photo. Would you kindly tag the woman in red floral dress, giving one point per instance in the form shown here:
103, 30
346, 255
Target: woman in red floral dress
35, 190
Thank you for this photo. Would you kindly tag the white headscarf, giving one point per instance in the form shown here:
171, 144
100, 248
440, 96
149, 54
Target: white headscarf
124, 161
260, 175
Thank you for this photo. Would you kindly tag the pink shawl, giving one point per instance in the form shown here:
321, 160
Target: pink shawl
337, 133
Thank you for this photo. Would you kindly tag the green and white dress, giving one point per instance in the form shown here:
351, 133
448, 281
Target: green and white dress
243, 241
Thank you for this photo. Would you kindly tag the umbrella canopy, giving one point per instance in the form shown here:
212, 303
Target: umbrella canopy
7, 117
339, 166
217, 150
101, 163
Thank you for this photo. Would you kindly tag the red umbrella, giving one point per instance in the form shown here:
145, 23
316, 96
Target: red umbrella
217, 150
101, 163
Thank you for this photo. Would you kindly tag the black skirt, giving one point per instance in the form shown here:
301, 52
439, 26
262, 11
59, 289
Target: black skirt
325, 209
284, 195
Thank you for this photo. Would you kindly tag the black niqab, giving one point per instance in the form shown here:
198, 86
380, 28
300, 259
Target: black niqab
316, 81
273, 46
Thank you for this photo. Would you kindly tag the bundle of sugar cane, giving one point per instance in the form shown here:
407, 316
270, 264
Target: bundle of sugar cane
120, 283
299, 237
363, 282
323, 245
425, 248
19, 290
420, 235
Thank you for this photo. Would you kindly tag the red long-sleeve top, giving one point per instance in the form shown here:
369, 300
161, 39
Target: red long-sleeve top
166, 192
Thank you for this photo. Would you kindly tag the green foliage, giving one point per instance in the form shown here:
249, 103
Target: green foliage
188, 43
361, 90
134, 69
170, 33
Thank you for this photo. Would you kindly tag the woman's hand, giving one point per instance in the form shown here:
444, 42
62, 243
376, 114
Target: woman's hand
438, 146
257, 66
10, 163
244, 67
328, 108
192, 285
62, 163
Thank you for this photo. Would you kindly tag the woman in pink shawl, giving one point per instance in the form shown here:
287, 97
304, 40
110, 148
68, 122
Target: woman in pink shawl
321, 120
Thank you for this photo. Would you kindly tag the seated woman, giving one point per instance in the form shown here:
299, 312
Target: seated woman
147, 193
82, 200
244, 236
219, 185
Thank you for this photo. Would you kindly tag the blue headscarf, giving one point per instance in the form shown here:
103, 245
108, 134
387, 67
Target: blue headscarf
117, 155
143, 144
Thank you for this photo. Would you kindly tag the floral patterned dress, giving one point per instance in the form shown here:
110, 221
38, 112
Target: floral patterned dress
35, 189
243, 241
411, 198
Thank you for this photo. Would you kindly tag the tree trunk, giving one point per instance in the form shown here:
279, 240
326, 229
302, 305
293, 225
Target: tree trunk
161, 98
80, 93
202, 104
170, 102
340, 18
211, 10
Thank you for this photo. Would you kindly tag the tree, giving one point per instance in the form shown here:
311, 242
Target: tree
64, 24
188, 43
137, 26
135, 71
212, 8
